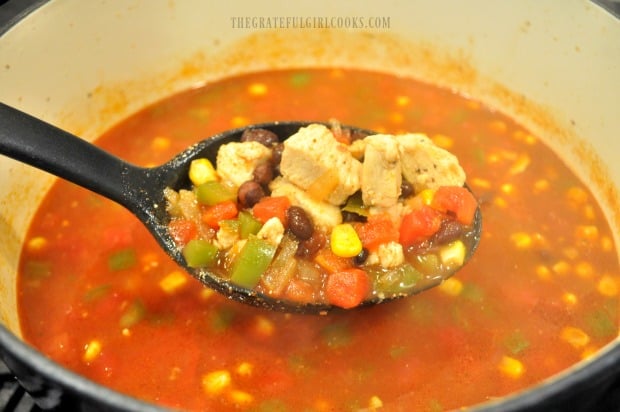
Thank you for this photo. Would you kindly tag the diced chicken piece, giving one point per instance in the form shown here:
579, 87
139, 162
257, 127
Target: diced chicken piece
236, 161
312, 156
357, 148
388, 255
225, 237
323, 214
381, 171
272, 231
427, 166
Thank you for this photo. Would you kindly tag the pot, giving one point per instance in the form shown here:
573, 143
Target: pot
85, 65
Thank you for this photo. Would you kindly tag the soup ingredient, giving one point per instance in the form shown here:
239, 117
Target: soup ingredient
325, 171
542, 288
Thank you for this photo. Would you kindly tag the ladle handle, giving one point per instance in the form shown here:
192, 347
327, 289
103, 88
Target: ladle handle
44, 146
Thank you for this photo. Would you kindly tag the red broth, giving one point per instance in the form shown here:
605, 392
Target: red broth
97, 294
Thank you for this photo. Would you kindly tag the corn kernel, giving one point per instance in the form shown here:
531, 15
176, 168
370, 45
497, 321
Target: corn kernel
239, 121
173, 281
240, 398
451, 286
541, 185
521, 240
264, 326
427, 196
511, 367
201, 171
374, 403
589, 212
584, 270
577, 195
244, 369
402, 100
608, 286
569, 298
443, 141
453, 254
587, 232
607, 244
206, 293
216, 382
575, 337
507, 188
543, 272
91, 351
500, 202
481, 183
160, 143
561, 267
519, 165
36, 244
257, 89
344, 241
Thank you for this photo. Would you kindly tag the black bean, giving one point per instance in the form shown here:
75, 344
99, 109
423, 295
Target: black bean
406, 189
250, 193
262, 136
263, 174
448, 231
352, 217
361, 257
299, 223
308, 248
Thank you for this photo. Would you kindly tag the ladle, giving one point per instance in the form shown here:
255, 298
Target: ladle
141, 190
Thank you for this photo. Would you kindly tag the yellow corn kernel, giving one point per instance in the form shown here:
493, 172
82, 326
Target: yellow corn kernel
91, 350
481, 183
451, 286
584, 270
543, 272
607, 244
126, 332
541, 185
201, 171
575, 337
257, 89
160, 143
239, 121
521, 240
577, 195
500, 202
427, 196
216, 382
511, 367
561, 267
507, 188
244, 369
519, 165
569, 298
344, 241
587, 232
264, 326
173, 281
240, 398
608, 286
453, 254
375, 403
206, 293
589, 212
402, 100
443, 141
36, 244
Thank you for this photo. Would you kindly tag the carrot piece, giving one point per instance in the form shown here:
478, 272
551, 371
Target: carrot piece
419, 225
377, 230
213, 215
271, 206
182, 230
331, 262
457, 200
300, 291
347, 288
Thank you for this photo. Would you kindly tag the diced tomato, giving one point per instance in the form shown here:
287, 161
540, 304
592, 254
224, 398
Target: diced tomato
271, 206
347, 288
300, 291
182, 230
419, 225
457, 200
330, 262
213, 215
377, 230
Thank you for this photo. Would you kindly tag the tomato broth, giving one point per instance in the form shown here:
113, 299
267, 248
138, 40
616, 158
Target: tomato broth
97, 294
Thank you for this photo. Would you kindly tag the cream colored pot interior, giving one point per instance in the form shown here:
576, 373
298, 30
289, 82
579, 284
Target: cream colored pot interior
84, 65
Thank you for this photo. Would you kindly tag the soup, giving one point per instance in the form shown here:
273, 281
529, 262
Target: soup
97, 294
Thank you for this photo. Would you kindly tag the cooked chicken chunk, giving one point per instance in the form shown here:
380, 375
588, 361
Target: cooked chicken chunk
236, 161
314, 158
323, 214
427, 166
272, 231
381, 171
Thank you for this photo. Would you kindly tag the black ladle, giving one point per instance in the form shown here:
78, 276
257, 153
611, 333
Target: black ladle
141, 190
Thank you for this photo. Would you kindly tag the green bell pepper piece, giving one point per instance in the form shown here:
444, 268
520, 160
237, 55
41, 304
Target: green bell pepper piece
248, 224
253, 260
214, 192
199, 253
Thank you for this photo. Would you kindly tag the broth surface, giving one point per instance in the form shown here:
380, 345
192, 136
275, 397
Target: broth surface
97, 294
